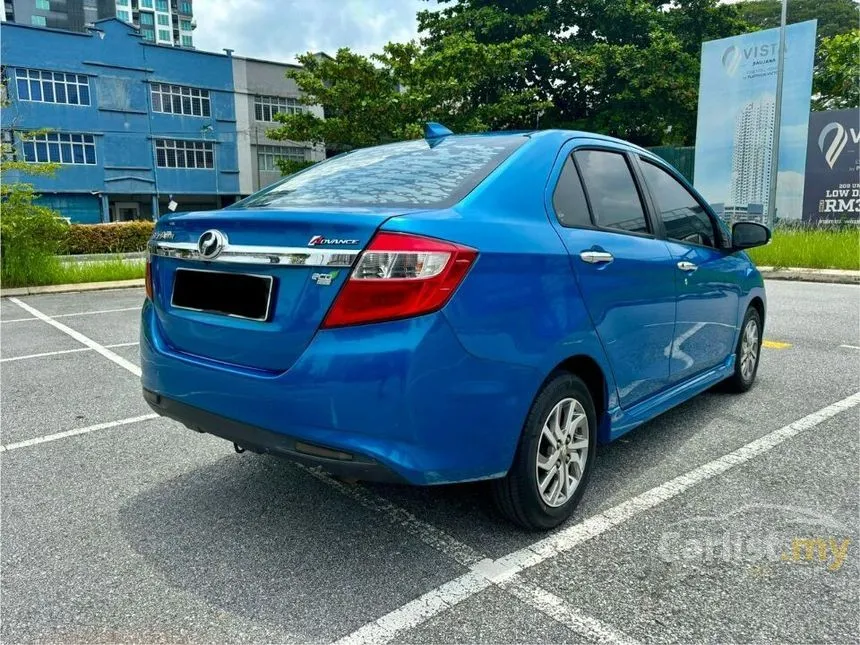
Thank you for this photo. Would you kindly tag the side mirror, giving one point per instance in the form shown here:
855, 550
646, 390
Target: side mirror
746, 235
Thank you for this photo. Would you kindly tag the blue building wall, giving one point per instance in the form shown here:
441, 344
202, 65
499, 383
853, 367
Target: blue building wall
121, 69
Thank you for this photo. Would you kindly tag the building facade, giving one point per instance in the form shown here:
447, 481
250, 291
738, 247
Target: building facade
751, 160
262, 90
136, 127
165, 22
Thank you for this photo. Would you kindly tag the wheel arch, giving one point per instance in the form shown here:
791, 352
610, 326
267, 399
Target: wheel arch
758, 304
590, 371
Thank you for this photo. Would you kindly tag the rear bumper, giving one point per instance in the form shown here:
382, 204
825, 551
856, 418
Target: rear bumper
259, 440
402, 396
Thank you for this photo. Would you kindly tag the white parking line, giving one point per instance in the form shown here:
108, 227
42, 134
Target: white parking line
84, 340
850, 346
72, 433
563, 612
63, 351
503, 571
78, 313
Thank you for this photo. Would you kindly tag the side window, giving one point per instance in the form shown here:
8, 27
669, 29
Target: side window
569, 202
683, 216
611, 190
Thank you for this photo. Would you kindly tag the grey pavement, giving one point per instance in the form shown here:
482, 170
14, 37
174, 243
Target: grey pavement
149, 532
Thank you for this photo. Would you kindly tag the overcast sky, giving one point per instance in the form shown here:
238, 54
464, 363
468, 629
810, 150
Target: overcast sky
280, 29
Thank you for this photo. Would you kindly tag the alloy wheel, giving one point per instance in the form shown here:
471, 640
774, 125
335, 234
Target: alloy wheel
749, 349
562, 452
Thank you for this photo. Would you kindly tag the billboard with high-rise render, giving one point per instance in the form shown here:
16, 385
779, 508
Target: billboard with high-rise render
734, 130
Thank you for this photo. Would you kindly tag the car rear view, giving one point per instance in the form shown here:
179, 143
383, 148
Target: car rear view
295, 323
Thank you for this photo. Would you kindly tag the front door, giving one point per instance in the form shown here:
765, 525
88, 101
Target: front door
626, 275
126, 211
706, 284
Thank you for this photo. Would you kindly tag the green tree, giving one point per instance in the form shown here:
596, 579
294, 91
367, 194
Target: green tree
623, 67
30, 234
361, 100
834, 16
836, 84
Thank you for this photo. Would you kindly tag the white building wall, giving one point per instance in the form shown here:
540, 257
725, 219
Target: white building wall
253, 78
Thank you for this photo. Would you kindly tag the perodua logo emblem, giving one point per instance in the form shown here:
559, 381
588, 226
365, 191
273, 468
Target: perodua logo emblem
211, 243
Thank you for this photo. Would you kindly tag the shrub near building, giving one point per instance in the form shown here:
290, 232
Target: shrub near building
121, 237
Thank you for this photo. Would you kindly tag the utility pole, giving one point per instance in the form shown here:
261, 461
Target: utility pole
777, 118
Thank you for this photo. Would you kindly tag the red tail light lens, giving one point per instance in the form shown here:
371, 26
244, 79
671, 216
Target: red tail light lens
148, 279
400, 276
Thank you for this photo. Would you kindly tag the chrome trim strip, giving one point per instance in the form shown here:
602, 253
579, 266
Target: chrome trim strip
270, 255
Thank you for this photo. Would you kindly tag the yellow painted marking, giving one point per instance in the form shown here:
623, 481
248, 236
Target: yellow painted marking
775, 344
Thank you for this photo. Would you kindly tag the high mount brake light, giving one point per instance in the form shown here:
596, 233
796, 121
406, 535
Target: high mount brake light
400, 275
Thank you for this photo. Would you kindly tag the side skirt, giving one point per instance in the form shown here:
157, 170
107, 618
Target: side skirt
623, 421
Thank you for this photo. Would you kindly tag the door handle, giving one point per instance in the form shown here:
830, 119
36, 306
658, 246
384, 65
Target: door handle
596, 257
687, 266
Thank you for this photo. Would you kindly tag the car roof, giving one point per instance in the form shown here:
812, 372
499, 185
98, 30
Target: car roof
556, 134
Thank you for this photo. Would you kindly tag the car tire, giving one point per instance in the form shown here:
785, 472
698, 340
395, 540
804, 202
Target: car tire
562, 415
747, 353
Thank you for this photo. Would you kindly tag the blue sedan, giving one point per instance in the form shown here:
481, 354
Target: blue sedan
453, 309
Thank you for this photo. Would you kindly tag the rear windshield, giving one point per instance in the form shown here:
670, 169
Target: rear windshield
408, 174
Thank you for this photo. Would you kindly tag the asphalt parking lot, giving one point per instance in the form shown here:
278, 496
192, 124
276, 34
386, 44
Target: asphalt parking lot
730, 518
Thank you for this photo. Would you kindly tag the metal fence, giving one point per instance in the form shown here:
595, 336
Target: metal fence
682, 157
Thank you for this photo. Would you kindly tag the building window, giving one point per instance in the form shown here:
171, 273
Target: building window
161, 5
185, 25
58, 147
43, 5
267, 156
52, 87
147, 4
123, 15
173, 153
265, 107
186, 41
185, 8
147, 18
163, 20
122, 3
177, 99
148, 34
164, 34
39, 21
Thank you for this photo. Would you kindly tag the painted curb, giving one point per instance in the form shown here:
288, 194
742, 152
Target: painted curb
834, 276
70, 288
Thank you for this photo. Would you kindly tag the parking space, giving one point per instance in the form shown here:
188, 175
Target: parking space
146, 531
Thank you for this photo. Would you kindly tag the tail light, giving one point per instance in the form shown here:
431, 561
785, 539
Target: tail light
400, 276
148, 279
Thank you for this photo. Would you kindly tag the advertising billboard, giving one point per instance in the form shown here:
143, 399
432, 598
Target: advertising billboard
831, 192
734, 131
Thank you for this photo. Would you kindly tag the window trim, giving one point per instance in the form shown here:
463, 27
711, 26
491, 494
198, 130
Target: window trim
269, 101
212, 148
53, 82
44, 138
654, 232
654, 203
204, 94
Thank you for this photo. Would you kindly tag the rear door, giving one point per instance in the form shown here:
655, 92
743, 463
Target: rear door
706, 275
625, 273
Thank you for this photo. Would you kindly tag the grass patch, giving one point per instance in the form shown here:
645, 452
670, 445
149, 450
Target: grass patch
811, 249
52, 271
